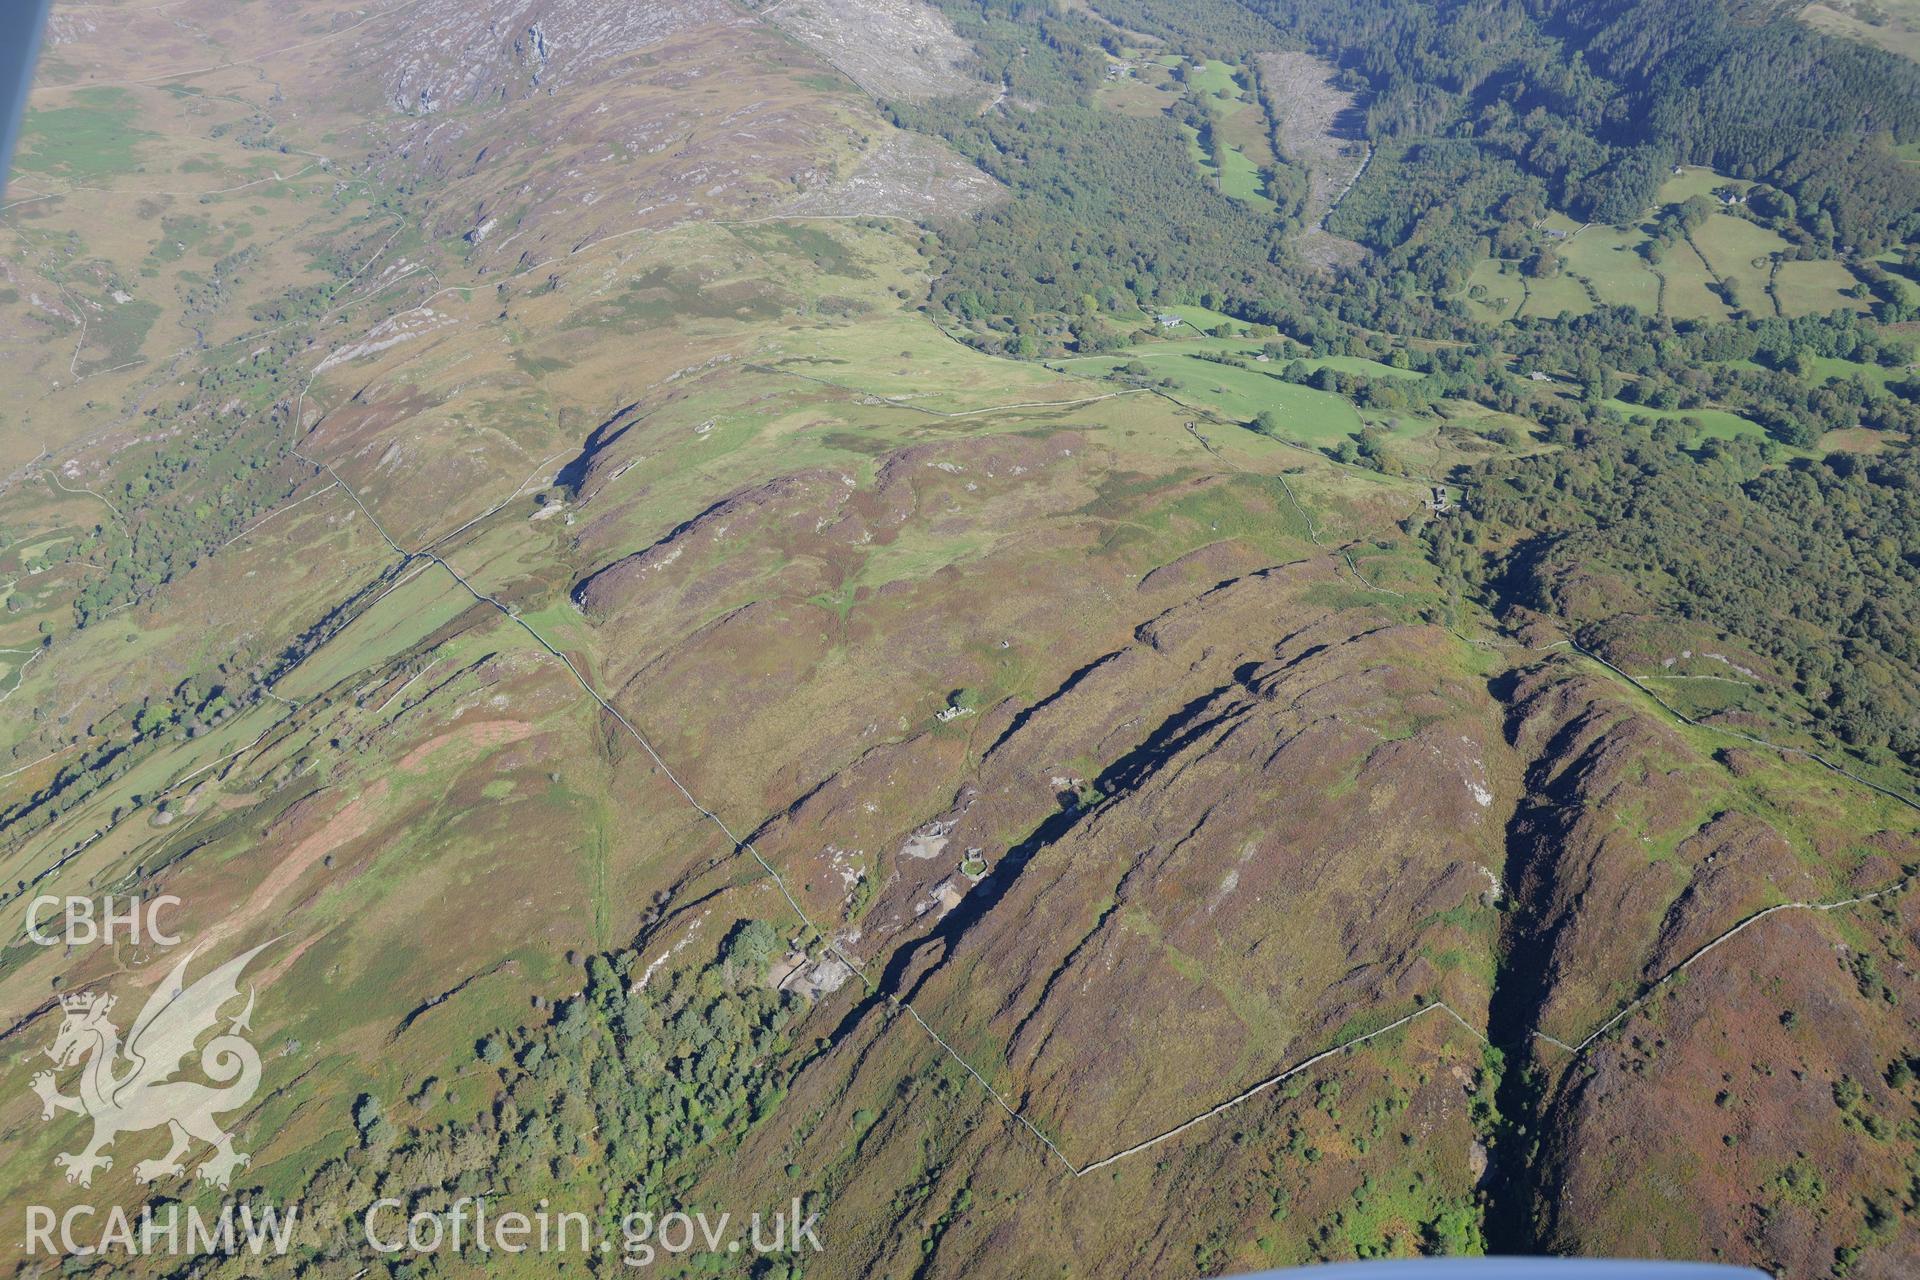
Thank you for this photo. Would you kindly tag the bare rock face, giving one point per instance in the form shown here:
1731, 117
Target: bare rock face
1718, 1115
890, 48
1267, 865
905, 175
561, 121
557, 124
454, 54
1280, 813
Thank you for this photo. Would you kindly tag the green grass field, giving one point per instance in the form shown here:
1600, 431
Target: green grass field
1689, 291
1908, 286
1203, 318
1495, 290
92, 139
1557, 294
1238, 146
1814, 288
1714, 423
1241, 178
1307, 415
1693, 181
1609, 259
1244, 348
904, 358
13, 663
1237, 175
121, 329
1825, 367
1741, 253
1360, 364
1217, 79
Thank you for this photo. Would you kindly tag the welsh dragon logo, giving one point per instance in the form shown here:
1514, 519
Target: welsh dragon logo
130, 1087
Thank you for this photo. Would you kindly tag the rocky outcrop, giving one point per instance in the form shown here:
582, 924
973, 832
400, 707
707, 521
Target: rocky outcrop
1704, 1122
